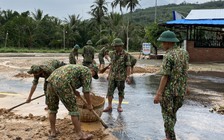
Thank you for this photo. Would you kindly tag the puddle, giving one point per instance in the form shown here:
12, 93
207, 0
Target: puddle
141, 119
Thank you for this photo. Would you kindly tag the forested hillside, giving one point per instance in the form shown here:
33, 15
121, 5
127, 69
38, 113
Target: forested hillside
164, 13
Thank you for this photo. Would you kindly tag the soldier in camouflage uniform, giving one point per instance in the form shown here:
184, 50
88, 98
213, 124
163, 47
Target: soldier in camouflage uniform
73, 54
118, 74
103, 53
173, 84
62, 85
43, 71
88, 54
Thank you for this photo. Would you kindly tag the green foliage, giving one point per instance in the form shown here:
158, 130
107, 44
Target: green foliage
164, 13
28, 31
153, 32
26, 50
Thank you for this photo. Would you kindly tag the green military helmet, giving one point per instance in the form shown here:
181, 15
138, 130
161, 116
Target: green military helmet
34, 69
168, 36
76, 46
117, 42
89, 42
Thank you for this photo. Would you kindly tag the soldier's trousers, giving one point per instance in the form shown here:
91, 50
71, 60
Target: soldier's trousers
169, 105
113, 84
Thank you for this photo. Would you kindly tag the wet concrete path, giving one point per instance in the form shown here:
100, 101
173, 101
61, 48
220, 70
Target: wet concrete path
141, 119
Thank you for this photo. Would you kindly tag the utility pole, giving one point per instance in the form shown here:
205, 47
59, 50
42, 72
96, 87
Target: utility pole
155, 11
127, 38
6, 38
64, 37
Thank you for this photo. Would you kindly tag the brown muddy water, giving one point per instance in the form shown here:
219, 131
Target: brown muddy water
141, 119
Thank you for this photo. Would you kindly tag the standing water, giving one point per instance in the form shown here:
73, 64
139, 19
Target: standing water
141, 119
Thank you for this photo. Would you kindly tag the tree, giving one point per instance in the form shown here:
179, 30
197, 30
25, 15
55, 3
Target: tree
153, 32
98, 11
71, 27
131, 4
121, 4
38, 16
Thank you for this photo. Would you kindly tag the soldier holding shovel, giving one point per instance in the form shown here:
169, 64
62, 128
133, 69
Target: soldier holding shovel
42, 71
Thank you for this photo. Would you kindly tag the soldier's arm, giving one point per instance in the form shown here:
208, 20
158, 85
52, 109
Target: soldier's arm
87, 97
32, 90
161, 88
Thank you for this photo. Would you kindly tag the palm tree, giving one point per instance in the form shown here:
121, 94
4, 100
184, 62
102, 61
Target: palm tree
121, 3
39, 15
131, 4
98, 11
72, 26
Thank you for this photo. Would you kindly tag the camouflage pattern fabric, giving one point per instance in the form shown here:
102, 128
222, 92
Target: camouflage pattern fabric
88, 54
119, 64
112, 86
48, 67
72, 55
75, 75
175, 66
118, 72
101, 55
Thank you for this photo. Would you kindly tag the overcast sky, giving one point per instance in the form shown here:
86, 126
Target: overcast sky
63, 8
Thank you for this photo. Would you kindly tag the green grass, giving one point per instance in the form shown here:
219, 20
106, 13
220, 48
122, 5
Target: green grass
25, 50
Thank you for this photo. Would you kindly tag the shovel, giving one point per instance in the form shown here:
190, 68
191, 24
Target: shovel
94, 112
24, 103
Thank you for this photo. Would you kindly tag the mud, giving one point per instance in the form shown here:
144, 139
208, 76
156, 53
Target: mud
36, 127
31, 122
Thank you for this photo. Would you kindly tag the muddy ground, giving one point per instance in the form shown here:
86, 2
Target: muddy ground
17, 127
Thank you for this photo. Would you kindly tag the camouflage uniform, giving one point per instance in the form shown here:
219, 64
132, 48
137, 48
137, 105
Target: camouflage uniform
72, 55
101, 55
88, 54
58, 88
175, 66
118, 72
48, 67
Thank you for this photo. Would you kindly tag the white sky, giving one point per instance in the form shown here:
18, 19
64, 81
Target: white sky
63, 8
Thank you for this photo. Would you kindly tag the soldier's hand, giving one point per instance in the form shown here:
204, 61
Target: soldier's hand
90, 107
128, 80
187, 91
157, 98
108, 77
28, 100
77, 93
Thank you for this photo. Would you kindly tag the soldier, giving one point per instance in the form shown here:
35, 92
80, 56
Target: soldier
173, 84
119, 72
59, 87
73, 54
88, 54
42, 71
103, 53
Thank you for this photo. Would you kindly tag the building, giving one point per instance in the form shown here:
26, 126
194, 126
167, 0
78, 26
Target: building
203, 32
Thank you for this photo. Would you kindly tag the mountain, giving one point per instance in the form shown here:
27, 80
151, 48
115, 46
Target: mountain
164, 13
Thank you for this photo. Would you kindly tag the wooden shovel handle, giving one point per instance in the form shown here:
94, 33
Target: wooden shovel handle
94, 112
24, 103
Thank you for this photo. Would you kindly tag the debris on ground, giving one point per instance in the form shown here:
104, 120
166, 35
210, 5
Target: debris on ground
217, 108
